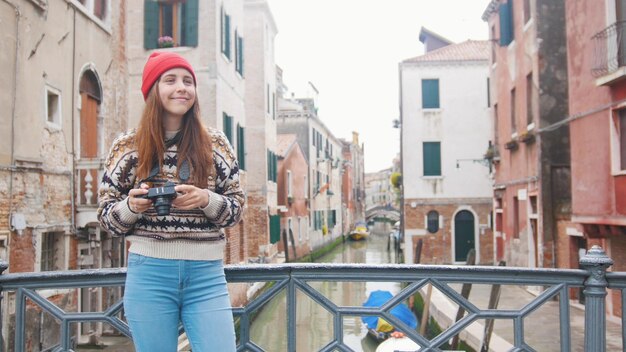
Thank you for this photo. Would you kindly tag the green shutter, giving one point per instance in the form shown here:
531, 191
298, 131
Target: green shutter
227, 35
274, 228
275, 168
150, 24
430, 93
269, 170
506, 23
228, 127
190, 29
432, 158
241, 147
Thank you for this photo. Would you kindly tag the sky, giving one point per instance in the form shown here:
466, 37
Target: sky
350, 51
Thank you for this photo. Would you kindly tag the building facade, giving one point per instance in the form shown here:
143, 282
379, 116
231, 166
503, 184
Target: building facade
64, 101
293, 171
353, 183
260, 103
445, 132
529, 98
597, 126
323, 152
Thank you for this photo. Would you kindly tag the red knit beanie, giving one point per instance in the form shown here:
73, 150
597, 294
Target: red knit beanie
157, 64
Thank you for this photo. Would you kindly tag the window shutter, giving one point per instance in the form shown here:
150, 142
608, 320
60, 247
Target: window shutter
430, 93
150, 24
227, 35
241, 147
274, 228
190, 30
432, 159
228, 127
506, 23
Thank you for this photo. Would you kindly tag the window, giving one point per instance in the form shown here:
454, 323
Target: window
225, 33
99, 8
495, 123
515, 217
529, 99
527, 15
241, 147
493, 44
430, 93
488, 92
238, 54
305, 185
289, 184
175, 19
506, 23
227, 123
432, 158
299, 229
52, 256
53, 107
432, 221
272, 161
267, 97
513, 123
622, 139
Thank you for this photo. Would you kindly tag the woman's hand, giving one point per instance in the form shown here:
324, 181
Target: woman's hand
190, 197
139, 205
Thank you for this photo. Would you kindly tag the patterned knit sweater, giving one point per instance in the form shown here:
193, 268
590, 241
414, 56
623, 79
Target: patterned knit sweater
183, 234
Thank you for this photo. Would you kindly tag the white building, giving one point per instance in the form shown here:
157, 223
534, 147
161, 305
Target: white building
263, 227
323, 152
446, 129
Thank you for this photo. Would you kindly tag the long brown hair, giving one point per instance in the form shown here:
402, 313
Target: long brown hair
194, 145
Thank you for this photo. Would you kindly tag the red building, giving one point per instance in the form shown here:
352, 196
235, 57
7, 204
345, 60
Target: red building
597, 125
352, 183
293, 204
529, 98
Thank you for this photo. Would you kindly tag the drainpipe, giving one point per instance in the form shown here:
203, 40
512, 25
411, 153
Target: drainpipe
73, 154
12, 167
13, 103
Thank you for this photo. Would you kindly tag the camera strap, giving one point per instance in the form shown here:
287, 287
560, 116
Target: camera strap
183, 173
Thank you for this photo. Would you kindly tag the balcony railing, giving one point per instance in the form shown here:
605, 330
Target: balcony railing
609, 49
298, 277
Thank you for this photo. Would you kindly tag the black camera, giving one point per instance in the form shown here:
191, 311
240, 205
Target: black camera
161, 197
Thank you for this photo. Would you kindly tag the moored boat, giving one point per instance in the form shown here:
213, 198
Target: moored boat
377, 327
359, 233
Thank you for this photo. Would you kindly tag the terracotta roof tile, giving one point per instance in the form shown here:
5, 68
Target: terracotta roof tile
283, 142
470, 50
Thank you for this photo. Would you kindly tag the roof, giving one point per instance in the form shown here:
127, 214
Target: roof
284, 143
425, 32
469, 50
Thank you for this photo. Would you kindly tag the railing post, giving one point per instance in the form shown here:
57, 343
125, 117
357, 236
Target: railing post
595, 262
3, 266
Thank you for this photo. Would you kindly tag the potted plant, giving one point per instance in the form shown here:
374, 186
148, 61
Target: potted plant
527, 137
165, 42
511, 145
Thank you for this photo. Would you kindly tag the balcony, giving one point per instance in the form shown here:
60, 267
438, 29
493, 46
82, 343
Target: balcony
88, 175
609, 58
296, 280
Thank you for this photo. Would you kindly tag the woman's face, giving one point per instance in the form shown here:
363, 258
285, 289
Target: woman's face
177, 92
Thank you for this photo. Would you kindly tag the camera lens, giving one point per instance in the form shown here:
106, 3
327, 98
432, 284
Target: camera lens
162, 205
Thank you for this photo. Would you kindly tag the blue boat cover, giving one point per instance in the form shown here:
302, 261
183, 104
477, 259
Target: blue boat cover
401, 311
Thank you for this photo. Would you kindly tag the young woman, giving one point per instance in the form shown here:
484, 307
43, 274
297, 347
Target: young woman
175, 271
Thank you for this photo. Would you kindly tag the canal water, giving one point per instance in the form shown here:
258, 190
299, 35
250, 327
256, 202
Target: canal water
314, 325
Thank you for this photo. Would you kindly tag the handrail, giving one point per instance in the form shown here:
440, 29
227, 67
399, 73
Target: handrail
609, 49
299, 276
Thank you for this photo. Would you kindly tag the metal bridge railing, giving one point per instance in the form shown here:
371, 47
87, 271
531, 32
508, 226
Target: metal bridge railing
295, 278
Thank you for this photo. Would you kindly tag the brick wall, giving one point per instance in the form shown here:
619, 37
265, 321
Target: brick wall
437, 247
257, 224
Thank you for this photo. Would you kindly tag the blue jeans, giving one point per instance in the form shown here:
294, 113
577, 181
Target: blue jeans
161, 293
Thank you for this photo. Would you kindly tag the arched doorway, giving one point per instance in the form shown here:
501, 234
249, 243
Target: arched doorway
90, 98
464, 236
